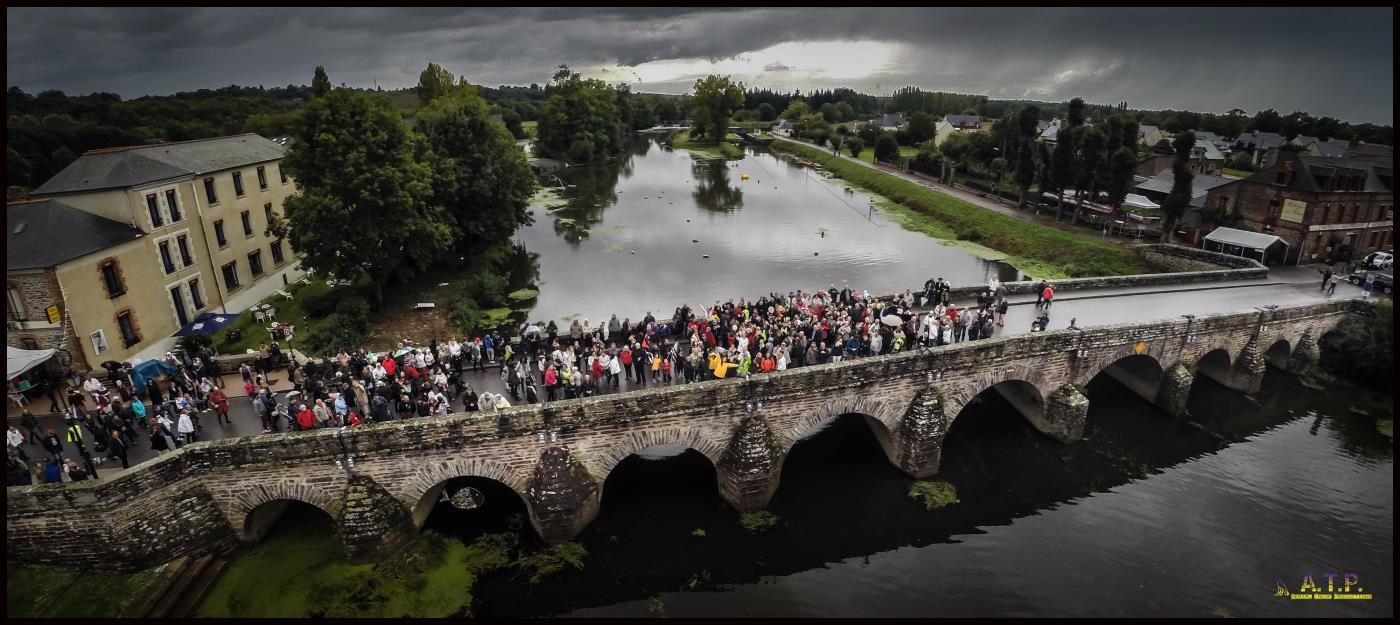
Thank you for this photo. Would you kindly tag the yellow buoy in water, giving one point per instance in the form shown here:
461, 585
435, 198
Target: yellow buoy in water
743, 176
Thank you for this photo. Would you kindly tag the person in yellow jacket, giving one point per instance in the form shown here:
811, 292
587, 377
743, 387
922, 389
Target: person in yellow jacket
719, 366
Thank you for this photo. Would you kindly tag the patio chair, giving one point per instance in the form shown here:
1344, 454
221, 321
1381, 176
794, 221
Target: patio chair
270, 313
259, 316
18, 398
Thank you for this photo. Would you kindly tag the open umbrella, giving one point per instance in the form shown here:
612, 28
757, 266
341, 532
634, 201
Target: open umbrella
401, 351
892, 320
532, 330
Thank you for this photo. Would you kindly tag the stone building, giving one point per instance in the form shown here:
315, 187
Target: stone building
132, 243
1325, 208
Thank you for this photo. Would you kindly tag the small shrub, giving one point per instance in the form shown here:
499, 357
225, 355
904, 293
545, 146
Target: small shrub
933, 495
552, 560
698, 533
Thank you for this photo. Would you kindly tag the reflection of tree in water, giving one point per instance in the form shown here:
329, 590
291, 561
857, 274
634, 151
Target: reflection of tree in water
594, 189
523, 270
712, 189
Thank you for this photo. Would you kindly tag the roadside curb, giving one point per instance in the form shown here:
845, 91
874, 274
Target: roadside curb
1161, 291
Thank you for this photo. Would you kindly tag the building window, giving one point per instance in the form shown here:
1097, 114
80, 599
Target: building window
267, 212
174, 206
99, 342
154, 207
196, 295
255, 263
15, 302
165, 258
238, 184
28, 343
126, 322
1281, 177
219, 233
111, 278
177, 297
209, 191
231, 277
277, 257
281, 173
247, 224
1223, 203
183, 242
262, 178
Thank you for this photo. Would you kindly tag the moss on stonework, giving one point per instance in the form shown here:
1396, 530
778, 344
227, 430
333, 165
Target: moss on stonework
933, 495
758, 520
33, 591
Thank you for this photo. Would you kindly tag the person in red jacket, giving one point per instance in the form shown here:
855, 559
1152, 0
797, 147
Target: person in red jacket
390, 366
353, 418
626, 357
1048, 294
305, 418
220, 402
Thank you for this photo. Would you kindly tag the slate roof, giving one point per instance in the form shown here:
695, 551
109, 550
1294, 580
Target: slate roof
1211, 153
891, 120
1335, 148
1259, 140
1308, 168
1201, 184
48, 232
117, 168
1050, 132
964, 121
1370, 150
1144, 130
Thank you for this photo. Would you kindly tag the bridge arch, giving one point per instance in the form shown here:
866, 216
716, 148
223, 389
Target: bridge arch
254, 511
708, 443
1025, 373
1215, 363
882, 415
1028, 400
421, 490
1140, 373
1278, 353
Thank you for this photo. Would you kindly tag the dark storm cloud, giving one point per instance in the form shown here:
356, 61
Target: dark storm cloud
1326, 61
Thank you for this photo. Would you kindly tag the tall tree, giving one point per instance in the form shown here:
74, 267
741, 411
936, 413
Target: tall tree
716, 99
1076, 112
581, 120
1088, 165
1027, 121
320, 83
434, 83
484, 181
1174, 206
1064, 165
364, 203
922, 126
1121, 166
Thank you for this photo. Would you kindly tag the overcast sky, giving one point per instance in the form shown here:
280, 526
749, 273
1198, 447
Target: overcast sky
1328, 61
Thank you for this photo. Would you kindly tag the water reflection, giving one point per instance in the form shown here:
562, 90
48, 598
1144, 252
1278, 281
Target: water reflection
713, 191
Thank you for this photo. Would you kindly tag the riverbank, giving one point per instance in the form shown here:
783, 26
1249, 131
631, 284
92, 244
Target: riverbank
41, 591
1053, 253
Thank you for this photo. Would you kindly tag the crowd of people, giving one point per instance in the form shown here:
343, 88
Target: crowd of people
544, 363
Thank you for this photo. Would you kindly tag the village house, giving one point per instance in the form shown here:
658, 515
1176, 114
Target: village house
1325, 208
124, 246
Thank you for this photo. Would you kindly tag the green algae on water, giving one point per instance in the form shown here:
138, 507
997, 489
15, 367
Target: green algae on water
933, 495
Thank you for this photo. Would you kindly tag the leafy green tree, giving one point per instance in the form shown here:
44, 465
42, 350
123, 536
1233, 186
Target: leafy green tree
16, 168
581, 120
1063, 163
484, 181
666, 111
716, 99
922, 127
796, 110
1174, 206
855, 145
1363, 347
320, 83
886, 148
1076, 112
364, 204
1242, 161
766, 112
844, 112
434, 83
957, 147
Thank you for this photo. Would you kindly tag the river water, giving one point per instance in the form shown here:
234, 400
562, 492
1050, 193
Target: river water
633, 236
1147, 517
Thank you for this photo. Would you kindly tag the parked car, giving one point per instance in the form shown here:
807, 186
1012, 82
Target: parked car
1384, 282
1379, 260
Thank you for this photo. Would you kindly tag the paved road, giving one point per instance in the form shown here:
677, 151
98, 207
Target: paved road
1090, 308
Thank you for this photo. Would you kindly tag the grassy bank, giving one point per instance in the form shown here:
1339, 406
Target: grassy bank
868, 153
33, 591
1238, 173
289, 311
722, 149
1035, 249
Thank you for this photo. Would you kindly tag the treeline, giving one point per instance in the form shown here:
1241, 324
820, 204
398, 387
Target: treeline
936, 103
47, 131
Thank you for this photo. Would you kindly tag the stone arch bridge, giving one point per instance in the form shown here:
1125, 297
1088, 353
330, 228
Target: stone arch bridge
378, 483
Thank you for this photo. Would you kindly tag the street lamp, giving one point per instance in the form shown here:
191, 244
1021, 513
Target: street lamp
1189, 318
